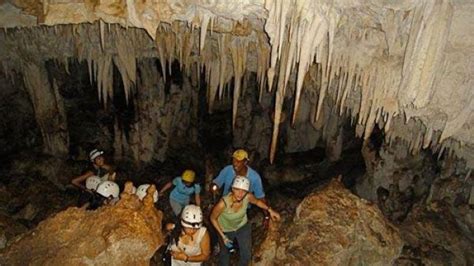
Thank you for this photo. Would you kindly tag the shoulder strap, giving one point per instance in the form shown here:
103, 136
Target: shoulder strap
225, 202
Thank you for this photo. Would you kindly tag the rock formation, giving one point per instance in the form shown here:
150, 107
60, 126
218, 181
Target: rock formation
405, 67
434, 236
127, 233
332, 227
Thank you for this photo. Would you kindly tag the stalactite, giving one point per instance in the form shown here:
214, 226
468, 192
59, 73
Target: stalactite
104, 77
262, 63
48, 107
375, 68
102, 34
223, 43
239, 57
423, 56
126, 64
212, 79
204, 22
159, 45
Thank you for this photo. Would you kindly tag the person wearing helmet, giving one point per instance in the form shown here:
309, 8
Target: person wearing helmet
184, 187
229, 217
190, 241
98, 168
239, 167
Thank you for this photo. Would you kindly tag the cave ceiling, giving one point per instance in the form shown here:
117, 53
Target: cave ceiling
406, 66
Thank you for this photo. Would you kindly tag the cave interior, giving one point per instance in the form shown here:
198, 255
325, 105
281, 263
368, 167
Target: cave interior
378, 95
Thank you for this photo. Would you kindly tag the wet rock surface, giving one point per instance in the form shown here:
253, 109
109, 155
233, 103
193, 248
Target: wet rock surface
331, 227
127, 233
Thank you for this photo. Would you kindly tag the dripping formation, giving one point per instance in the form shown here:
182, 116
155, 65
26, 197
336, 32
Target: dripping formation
394, 67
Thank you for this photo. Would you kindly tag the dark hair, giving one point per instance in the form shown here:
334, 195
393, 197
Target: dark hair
176, 232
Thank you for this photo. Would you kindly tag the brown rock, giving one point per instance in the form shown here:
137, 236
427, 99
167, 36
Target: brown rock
435, 235
127, 233
332, 227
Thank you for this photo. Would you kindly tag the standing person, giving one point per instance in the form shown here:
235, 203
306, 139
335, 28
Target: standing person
190, 241
229, 218
239, 167
184, 187
98, 168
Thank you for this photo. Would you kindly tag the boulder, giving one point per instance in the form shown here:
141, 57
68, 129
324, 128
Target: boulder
434, 236
127, 233
332, 226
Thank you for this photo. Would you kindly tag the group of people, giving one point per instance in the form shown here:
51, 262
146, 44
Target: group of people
190, 241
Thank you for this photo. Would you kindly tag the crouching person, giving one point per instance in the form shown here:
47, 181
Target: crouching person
229, 217
190, 241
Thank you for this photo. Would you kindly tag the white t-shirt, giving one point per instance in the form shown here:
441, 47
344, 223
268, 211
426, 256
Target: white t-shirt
190, 250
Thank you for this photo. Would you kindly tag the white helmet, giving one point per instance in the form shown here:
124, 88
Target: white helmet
191, 216
142, 191
108, 188
93, 182
94, 154
241, 182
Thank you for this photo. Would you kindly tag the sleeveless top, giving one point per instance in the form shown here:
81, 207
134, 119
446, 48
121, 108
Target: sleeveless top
100, 172
231, 220
190, 250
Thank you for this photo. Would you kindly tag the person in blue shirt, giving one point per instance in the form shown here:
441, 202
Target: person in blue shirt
184, 187
239, 167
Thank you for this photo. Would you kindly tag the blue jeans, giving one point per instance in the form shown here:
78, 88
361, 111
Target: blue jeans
244, 237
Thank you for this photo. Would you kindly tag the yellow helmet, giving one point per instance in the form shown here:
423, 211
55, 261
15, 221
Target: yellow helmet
240, 155
188, 176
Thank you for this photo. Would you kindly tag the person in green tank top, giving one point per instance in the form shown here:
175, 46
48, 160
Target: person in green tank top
229, 217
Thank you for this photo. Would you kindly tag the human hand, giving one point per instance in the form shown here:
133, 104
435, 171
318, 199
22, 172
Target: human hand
227, 241
170, 226
179, 255
275, 216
